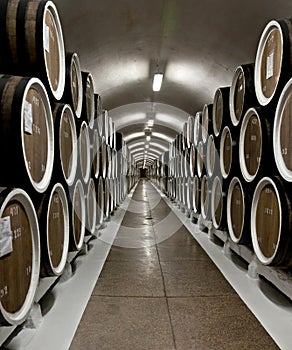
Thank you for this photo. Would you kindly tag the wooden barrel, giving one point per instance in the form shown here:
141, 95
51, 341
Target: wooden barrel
66, 152
190, 190
98, 113
238, 211
106, 187
20, 260
221, 113
273, 64
84, 152
100, 201
282, 130
190, 131
196, 195
104, 126
255, 145
110, 132
114, 164
218, 204
111, 195
207, 126
53, 216
271, 222
206, 187
201, 159
91, 206
193, 160
88, 105
32, 42
77, 216
73, 93
95, 156
229, 158
212, 157
26, 133
197, 128
242, 93
186, 162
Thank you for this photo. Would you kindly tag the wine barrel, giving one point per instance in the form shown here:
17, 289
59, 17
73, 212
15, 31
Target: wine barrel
221, 113
77, 216
73, 93
255, 145
104, 126
190, 131
282, 130
98, 113
228, 156
207, 122
273, 63
53, 214
271, 222
100, 201
197, 128
206, 187
106, 187
238, 209
66, 153
201, 158
190, 190
95, 155
88, 104
26, 133
242, 93
19, 265
218, 204
111, 196
84, 152
212, 157
91, 206
32, 42
196, 195
193, 161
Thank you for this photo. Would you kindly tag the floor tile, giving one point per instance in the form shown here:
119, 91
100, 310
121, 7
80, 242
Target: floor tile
212, 323
124, 324
132, 254
178, 253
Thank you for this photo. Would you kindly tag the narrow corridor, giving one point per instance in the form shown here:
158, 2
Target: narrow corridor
159, 290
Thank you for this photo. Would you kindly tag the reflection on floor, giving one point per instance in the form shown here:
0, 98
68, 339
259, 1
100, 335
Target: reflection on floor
159, 290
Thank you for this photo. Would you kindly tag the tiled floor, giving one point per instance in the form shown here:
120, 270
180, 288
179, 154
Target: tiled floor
159, 290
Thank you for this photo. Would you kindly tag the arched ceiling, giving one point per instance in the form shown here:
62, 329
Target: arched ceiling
198, 44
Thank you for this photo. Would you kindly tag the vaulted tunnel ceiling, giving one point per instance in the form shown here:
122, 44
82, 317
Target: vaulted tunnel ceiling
198, 44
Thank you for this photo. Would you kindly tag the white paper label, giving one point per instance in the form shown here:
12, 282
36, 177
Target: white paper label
27, 117
270, 66
47, 38
5, 236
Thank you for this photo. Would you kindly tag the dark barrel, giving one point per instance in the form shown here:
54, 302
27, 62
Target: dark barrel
207, 126
84, 152
271, 222
221, 113
19, 265
228, 152
218, 204
32, 42
26, 133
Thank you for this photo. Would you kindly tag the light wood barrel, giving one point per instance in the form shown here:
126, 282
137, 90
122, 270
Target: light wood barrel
91, 206
33, 42
271, 218
26, 133
273, 64
238, 211
77, 216
66, 152
19, 269
53, 216
255, 145
212, 158
201, 159
88, 105
218, 204
229, 157
282, 131
207, 126
242, 92
73, 93
221, 113
84, 152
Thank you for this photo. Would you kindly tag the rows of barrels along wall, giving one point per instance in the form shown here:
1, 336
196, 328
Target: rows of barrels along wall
62, 172
232, 162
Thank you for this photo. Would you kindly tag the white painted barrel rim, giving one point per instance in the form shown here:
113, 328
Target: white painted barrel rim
200, 159
232, 184
278, 155
210, 149
75, 62
22, 197
213, 205
247, 176
91, 188
74, 155
79, 186
225, 131
218, 94
197, 125
58, 93
39, 87
62, 194
205, 113
262, 99
85, 133
96, 152
262, 183
238, 71
203, 212
92, 107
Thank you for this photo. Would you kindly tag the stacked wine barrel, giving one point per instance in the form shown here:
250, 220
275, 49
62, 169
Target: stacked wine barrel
232, 162
59, 178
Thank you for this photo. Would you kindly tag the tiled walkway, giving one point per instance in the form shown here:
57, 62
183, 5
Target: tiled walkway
159, 290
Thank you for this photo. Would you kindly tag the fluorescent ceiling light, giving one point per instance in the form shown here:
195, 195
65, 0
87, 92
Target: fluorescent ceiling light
157, 81
148, 138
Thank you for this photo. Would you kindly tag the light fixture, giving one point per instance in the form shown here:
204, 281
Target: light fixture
148, 138
157, 81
